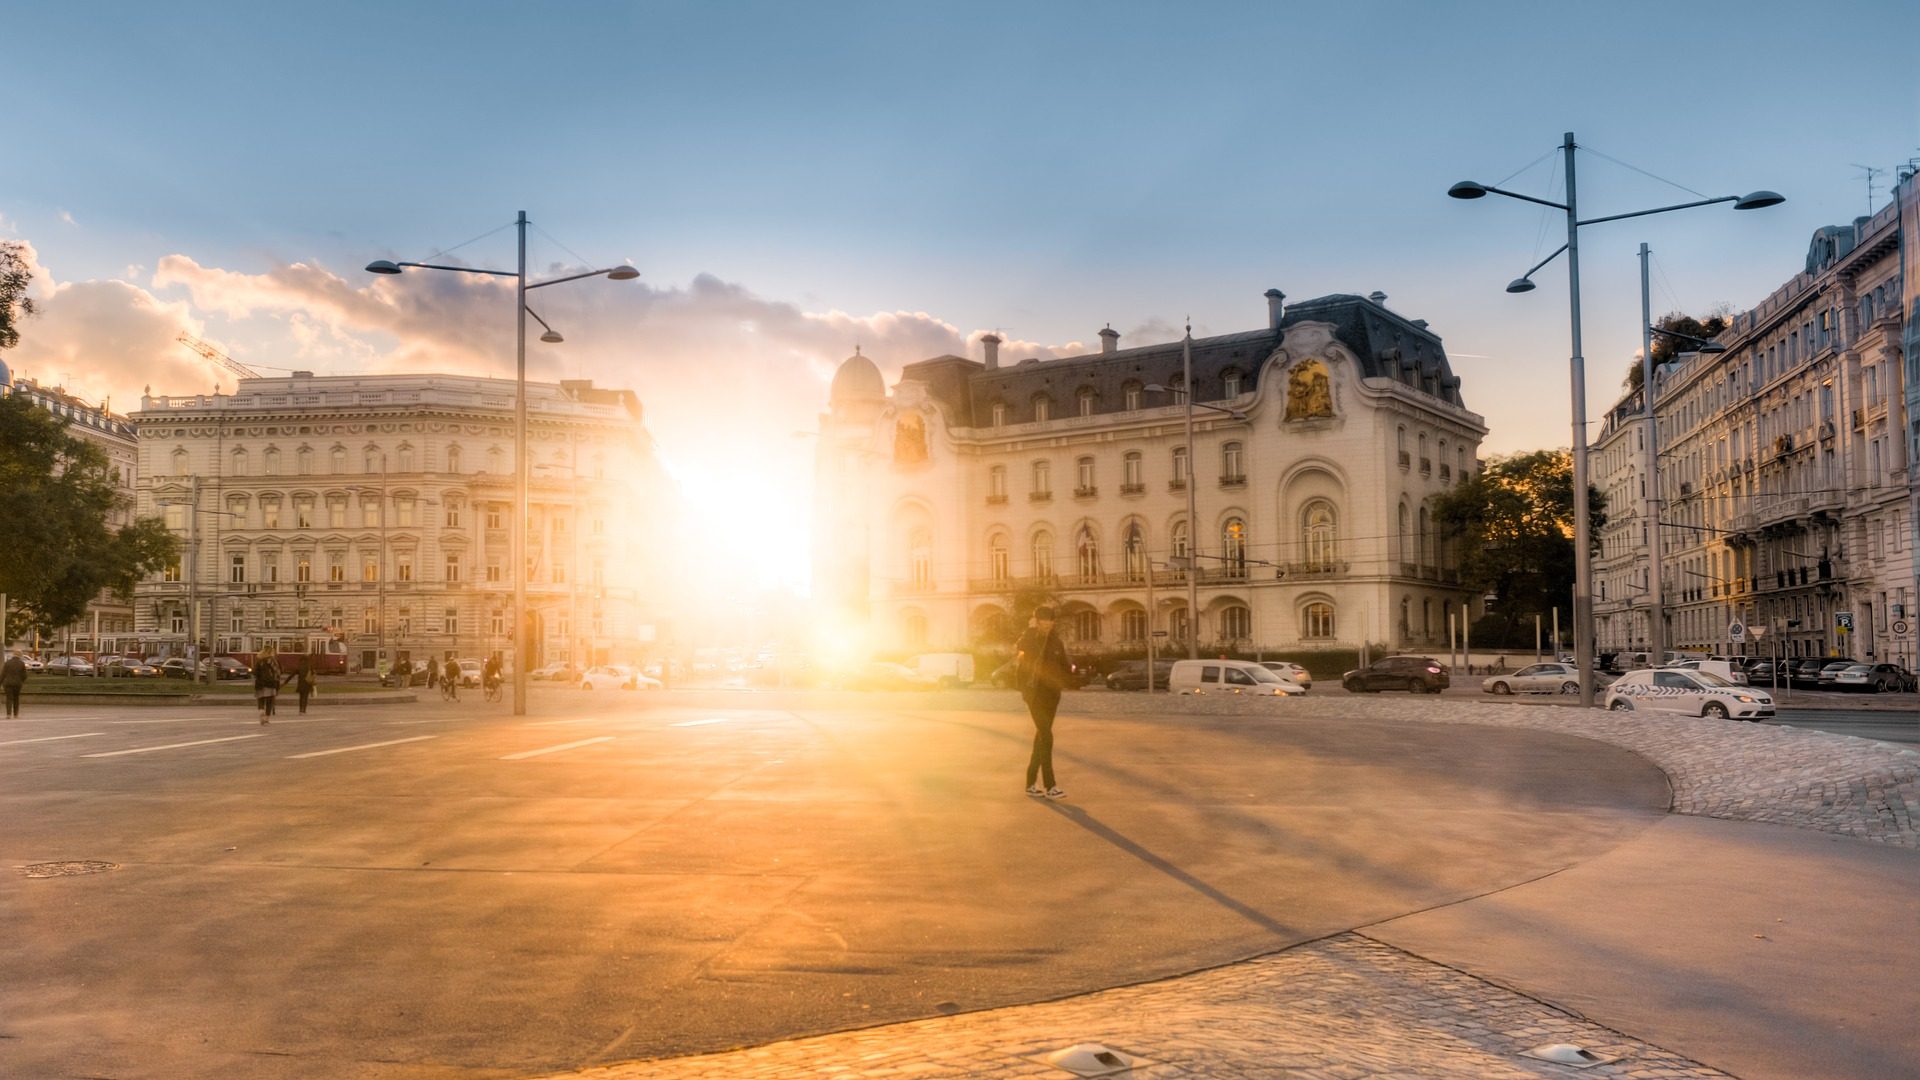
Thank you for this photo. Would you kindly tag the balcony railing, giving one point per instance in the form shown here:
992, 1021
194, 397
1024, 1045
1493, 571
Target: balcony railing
1176, 484
1086, 491
1133, 489
1426, 466
1312, 571
1039, 496
1406, 459
1233, 480
996, 500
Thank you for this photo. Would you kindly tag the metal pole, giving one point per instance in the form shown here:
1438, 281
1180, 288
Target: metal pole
193, 579
1652, 502
518, 548
1193, 515
1150, 648
1582, 527
1556, 633
1453, 639
1536, 637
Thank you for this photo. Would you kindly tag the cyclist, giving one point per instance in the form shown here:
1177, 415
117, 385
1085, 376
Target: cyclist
450, 680
490, 678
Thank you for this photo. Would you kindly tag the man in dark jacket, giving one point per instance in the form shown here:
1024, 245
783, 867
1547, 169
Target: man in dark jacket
13, 676
1041, 671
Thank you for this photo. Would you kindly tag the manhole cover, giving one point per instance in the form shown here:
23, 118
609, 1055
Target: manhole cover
67, 869
1578, 1057
1091, 1059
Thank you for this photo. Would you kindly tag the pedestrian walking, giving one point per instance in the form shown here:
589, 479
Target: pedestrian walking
266, 685
1041, 670
304, 680
450, 679
13, 676
433, 674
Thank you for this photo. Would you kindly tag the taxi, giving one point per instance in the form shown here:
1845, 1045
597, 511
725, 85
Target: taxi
1691, 693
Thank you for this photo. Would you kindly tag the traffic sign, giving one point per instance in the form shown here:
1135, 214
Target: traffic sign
1843, 620
1736, 631
1900, 628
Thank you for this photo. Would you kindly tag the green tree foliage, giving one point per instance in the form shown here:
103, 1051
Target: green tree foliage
1512, 524
1665, 348
15, 304
57, 551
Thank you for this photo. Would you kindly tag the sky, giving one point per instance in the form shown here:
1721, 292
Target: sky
793, 180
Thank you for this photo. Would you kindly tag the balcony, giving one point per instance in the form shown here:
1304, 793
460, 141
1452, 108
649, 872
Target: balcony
1086, 491
996, 500
1133, 489
1176, 485
1233, 480
1446, 472
1406, 459
1780, 510
1426, 466
1039, 496
1313, 571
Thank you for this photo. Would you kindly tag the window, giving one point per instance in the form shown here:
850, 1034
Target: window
1043, 555
336, 566
270, 463
1317, 620
1086, 625
270, 512
453, 568
1133, 625
406, 459
171, 571
999, 414
493, 518
403, 620
371, 459
175, 515
1232, 471
1042, 479
237, 463
303, 570
493, 569
453, 459
1321, 541
1042, 407
237, 569
559, 573
997, 483
1088, 551
1236, 623
1178, 624
270, 567
453, 515
370, 620
303, 461
1406, 546
999, 565
1233, 546
1230, 382
1180, 539
369, 567
180, 462
914, 626
1084, 466
920, 558
337, 460
370, 513
1130, 396
1130, 473
450, 621
403, 512
403, 566
179, 622
336, 513
1086, 400
1179, 466
1134, 551
1426, 539
270, 618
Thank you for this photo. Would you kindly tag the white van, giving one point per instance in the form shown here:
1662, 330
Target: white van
1228, 677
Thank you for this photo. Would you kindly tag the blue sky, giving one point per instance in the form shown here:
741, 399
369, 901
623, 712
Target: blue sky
1042, 169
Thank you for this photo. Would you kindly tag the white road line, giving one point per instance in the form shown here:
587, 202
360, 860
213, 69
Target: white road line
362, 746
697, 723
51, 738
169, 720
574, 720
556, 749
172, 746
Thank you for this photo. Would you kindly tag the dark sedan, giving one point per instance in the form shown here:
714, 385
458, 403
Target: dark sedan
1132, 675
1415, 674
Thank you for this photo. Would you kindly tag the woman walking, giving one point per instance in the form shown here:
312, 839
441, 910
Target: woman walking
303, 681
266, 685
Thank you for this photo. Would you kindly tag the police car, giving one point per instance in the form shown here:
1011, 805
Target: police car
1694, 693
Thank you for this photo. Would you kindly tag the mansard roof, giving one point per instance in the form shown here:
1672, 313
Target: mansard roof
1385, 344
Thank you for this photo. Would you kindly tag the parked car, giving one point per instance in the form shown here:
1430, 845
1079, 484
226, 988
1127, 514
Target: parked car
176, 667
1831, 670
406, 673
225, 667
1690, 693
1417, 674
1761, 672
1287, 669
617, 677
1132, 675
1229, 677
945, 669
1874, 678
556, 672
1725, 669
470, 671
1804, 673
34, 664
128, 667
1536, 679
69, 665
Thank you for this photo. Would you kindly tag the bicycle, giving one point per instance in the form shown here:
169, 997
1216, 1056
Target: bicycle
493, 692
449, 690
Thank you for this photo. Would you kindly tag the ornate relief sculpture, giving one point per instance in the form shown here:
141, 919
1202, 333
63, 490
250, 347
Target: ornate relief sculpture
910, 440
1309, 391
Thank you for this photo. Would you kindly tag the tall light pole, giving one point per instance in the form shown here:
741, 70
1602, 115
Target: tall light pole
517, 550
1577, 370
1192, 556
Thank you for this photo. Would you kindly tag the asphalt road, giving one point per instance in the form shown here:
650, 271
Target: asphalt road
446, 891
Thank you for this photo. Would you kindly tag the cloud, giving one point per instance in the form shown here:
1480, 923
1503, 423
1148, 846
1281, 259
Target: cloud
67, 217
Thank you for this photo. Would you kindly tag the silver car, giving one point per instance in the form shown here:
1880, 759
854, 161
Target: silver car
1536, 679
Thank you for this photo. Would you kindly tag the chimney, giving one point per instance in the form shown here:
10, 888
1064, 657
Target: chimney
1378, 297
1109, 340
1276, 307
991, 343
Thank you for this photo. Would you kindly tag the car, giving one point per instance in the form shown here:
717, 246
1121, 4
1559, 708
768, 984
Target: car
1287, 669
69, 665
33, 663
616, 677
1229, 677
556, 672
470, 671
1535, 679
1804, 673
1690, 693
1733, 673
128, 667
1874, 678
1416, 674
406, 673
1830, 670
1761, 672
1132, 675
176, 667
224, 667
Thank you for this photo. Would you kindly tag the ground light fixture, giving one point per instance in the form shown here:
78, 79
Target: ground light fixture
521, 623
1582, 523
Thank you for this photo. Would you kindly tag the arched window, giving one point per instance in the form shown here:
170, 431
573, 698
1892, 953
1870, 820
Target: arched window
1230, 383
999, 414
1043, 555
270, 462
1084, 479
1406, 540
1086, 400
453, 459
1236, 623
1177, 389
1426, 463
1131, 474
337, 460
237, 462
1178, 624
920, 558
1087, 551
1233, 546
1135, 547
999, 561
1232, 468
1179, 466
1317, 620
1180, 539
1426, 539
1086, 626
1042, 407
1042, 479
1320, 535
304, 461
1130, 395
1133, 626
180, 461
1400, 445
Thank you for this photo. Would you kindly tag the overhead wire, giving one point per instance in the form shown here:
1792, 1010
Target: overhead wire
1643, 172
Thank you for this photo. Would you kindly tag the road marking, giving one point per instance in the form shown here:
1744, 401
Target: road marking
362, 746
574, 720
169, 720
698, 723
172, 746
556, 749
51, 738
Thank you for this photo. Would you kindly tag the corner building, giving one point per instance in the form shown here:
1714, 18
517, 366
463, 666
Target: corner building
972, 489
373, 512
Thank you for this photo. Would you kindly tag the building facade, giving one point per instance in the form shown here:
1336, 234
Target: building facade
1784, 483
971, 489
113, 434
373, 511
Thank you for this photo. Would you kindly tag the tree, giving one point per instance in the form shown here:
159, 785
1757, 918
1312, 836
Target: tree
55, 495
1512, 522
15, 304
1665, 348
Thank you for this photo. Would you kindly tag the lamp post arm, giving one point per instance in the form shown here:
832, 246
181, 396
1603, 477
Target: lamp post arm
1661, 209
459, 269
1528, 198
569, 277
1550, 257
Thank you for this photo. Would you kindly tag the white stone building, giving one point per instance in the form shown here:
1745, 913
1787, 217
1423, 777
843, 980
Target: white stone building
374, 510
1784, 477
108, 615
971, 485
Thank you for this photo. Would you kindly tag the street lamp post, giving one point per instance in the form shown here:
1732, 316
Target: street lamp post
517, 549
1193, 486
1577, 370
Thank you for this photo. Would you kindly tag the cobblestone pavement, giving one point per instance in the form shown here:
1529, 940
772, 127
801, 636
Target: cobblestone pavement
1346, 1008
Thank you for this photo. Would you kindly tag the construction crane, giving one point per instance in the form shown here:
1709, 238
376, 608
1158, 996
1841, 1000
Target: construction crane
217, 358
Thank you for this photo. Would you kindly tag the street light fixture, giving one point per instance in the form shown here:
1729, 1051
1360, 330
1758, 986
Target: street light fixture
1582, 524
518, 548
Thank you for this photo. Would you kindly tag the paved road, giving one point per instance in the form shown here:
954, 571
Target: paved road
1885, 726
437, 891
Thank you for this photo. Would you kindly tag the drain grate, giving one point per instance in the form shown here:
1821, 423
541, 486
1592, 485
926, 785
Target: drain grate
70, 868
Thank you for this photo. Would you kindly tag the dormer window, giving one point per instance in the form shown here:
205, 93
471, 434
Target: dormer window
999, 412
1042, 408
1230, 382
1130, 396
1086, 398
